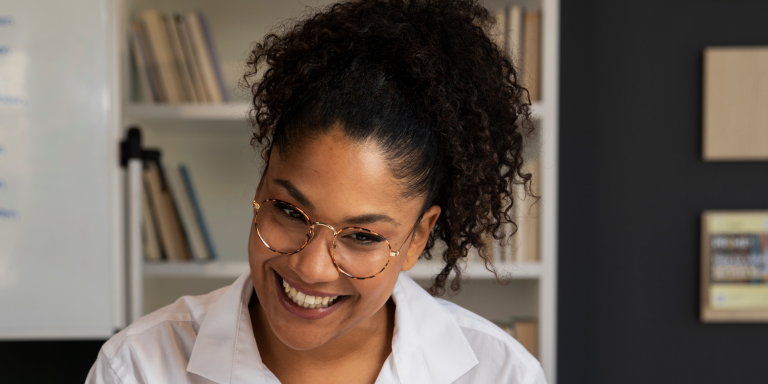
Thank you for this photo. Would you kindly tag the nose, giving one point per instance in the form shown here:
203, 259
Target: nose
313, 264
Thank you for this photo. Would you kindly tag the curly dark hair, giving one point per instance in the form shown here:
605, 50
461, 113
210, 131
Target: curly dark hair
422, 78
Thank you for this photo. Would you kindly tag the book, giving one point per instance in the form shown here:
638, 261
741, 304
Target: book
499, 33
160, 46
185, 78
527, 333
194, 235
189, 58
171, 236
527, 218
515, 34
212, 54
146, 91
203, 58
532, 54
152, 71
150, 239
507, 245
187, 179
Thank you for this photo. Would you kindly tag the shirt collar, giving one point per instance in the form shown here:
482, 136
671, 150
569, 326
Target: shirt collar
225, 350
427, 346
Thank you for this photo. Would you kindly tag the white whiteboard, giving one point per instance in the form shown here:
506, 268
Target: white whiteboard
58, 161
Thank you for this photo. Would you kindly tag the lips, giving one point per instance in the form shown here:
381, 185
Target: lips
297, 301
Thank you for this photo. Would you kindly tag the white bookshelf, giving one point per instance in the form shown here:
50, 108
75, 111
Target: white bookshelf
234, 111
227, 174
421, 271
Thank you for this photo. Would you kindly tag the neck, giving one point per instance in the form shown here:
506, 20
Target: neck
359, 353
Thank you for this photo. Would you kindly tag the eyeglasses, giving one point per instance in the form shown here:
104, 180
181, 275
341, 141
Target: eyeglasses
356, 252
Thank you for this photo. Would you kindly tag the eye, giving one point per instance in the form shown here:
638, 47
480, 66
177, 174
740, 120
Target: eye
289, 211
364, 238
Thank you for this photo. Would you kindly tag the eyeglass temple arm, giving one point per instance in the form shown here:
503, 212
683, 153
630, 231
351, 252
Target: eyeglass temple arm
397, 253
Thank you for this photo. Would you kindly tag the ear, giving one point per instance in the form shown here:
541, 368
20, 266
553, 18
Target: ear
420, 236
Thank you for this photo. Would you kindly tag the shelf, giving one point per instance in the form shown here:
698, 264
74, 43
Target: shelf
233, 269
476, 271
211, 269
214, 112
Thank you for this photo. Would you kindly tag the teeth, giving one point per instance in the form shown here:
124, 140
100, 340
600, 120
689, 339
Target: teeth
307, 301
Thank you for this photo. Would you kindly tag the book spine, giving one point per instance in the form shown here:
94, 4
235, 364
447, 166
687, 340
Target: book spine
145, 91
179, 235
531, 57
528, 218
520, 241
527, 333
212, 89
161, 47
158, 203
152, 249
178, 58
189, 56
213, 56
151, 65
499, 29
189, 221
515, 43
198, 211
505, 251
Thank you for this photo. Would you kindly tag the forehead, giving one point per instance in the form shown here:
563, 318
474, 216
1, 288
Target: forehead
342, 177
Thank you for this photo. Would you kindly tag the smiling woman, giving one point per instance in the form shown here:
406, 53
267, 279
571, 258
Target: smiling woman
385, 126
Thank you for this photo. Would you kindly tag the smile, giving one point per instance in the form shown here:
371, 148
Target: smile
307, 301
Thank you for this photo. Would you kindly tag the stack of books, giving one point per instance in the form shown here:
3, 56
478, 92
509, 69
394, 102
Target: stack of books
523, 245
175, 59
174, 228
518, 32
526, 331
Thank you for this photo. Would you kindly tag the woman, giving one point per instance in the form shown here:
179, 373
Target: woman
386, 126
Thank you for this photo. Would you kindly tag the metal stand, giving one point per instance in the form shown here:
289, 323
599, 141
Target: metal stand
132, 157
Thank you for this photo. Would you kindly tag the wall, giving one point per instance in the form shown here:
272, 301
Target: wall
632, 187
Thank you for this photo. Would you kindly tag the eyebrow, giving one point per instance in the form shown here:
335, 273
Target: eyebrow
294, 192
367, 218
370, 218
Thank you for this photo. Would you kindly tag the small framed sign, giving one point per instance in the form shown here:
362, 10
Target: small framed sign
734, 266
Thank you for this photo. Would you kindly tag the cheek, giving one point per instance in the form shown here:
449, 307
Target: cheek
375, 292
258, 254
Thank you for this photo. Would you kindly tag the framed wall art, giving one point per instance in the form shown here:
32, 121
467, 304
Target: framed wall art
734, 266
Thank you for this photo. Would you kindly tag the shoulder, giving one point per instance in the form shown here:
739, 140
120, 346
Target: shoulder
498, 353
161, 337
187, 313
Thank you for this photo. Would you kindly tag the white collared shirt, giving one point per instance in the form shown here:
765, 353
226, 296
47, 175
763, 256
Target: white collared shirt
209, 339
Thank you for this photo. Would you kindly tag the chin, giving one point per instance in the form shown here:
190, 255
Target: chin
302, 340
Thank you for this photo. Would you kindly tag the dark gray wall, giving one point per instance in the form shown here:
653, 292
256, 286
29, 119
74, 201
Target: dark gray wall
632, 187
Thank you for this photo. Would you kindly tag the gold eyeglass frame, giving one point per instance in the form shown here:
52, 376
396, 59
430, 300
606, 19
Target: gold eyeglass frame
311, 234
